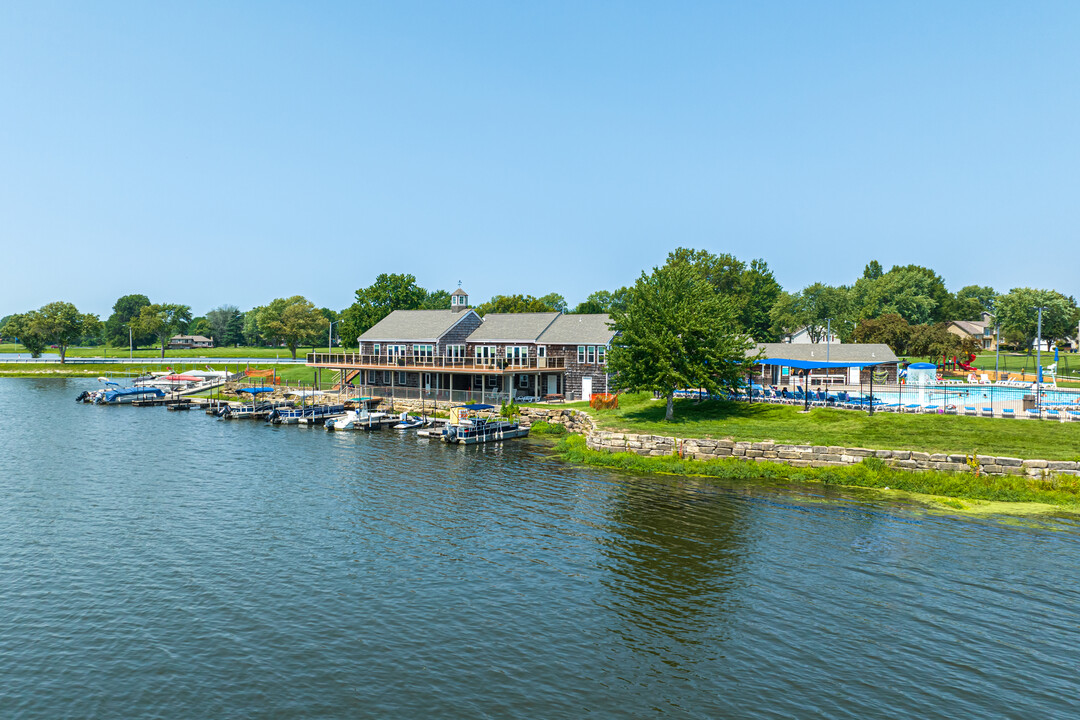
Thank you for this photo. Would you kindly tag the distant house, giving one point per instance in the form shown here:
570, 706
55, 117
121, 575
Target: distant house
982, 330
187, 342
885, 369
502, 355
802, 337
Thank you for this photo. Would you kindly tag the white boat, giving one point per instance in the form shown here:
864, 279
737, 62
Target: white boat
408, 423
358, 420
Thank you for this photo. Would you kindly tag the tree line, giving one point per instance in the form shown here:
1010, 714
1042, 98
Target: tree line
905, 307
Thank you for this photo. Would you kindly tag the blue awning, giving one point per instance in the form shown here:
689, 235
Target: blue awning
922, 366
256, 391
817, 365
477, 406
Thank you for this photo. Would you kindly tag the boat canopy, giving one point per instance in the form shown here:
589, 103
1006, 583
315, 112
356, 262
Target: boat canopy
256, 391
816, 365
477, 406
111, 395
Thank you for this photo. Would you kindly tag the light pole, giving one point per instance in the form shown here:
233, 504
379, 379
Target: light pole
330, 336
828, 337
1038, 357
997, 347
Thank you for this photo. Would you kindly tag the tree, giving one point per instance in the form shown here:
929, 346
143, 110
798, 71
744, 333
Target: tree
753, 291
972, 301
219, 319
234, 329
1019, 317
252, 336
890, 329
61, 324
294, 321
24, 328
200, 326
514, 304
916, 293
555, 301
873, 270
676, 332
603, 301
816, 308
388, 293
126, 309
760, 292
163, 321
436, 300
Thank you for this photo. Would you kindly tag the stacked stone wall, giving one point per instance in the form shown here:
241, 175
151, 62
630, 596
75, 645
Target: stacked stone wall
823, 456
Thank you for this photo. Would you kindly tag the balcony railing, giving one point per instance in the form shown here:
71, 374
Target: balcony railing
461, 364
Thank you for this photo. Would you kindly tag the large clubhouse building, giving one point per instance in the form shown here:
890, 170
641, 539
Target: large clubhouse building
502, 355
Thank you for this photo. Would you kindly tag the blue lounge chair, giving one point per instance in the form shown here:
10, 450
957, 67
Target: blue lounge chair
988, 412
1008, 413
1033, 413
970, 411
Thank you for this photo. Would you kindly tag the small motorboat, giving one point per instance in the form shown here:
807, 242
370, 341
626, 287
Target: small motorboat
408, 423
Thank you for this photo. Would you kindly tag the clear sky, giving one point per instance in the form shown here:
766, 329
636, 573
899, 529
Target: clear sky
210, 153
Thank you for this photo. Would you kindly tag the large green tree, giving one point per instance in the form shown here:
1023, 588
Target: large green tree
163, 321
676, 332
972, 301
61, 324
219, 319
252, 335
890, 329
294, 321
25, 328
1019, 317
389, 292
126, 309
915, 293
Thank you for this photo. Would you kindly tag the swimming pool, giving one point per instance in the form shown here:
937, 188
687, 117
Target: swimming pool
961, 394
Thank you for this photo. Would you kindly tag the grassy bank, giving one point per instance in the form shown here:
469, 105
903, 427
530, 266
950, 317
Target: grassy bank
269, 353
947, 489
823, 426
289, 373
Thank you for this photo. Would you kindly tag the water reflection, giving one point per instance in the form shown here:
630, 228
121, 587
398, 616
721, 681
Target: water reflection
674, 551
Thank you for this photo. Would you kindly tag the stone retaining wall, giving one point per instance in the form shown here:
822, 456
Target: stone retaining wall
821, 455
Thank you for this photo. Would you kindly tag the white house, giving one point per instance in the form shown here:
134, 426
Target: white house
802, 337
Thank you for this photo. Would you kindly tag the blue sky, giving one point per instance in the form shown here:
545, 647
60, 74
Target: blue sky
213, 153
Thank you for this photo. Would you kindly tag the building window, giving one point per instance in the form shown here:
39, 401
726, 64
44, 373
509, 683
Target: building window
581, 354
592, 354
541, 351
402, 379
493, 381
375, 349
372, 377
455, 352
601, 354
517, 355
485, 354
523, 381
477, 381
423, 353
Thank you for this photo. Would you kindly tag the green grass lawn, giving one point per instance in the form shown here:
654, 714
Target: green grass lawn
824, 426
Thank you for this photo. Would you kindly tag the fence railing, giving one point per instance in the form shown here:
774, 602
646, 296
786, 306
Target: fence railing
460, 364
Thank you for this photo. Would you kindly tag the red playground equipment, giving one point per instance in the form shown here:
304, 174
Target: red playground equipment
965, 366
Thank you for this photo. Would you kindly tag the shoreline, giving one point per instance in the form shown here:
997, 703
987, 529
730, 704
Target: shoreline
937, 491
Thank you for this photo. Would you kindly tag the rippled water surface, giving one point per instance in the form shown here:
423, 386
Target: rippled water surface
161, 564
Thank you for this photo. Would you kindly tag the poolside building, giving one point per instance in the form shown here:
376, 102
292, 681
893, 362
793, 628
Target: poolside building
869, 362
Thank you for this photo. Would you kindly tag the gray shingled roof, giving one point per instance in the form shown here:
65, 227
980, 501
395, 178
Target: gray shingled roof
579, 330
512, 327
836, 352
410, 325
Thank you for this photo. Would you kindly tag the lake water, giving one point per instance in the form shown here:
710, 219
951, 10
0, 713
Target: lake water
161, 564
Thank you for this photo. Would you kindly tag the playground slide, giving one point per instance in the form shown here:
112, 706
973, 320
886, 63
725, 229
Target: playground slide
967, 366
